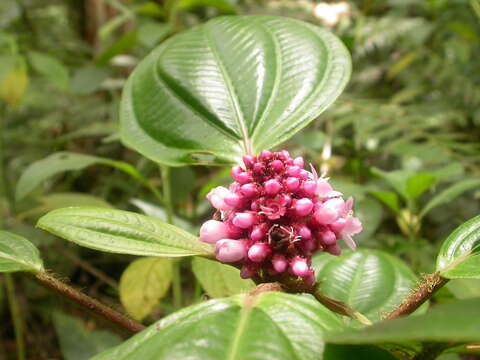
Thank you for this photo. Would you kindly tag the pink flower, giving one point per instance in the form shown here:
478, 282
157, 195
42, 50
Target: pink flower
213, 230
275, 215
217, 197
228, 250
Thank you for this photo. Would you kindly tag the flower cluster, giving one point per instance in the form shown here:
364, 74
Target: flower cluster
276, 215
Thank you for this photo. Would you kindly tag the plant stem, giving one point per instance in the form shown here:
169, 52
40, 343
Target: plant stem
167, 192
94, 305
167, 200
16, 317
424, 291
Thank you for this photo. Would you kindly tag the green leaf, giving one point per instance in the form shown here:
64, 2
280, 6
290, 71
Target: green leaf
152, 32
396, 179
419, 183
370, 281
59, 162
464, 288
143, 284
450, 194
451, 322
126, 42
370, 213
78, 343
122, 232
52, 69
388, 198
459, 256
221, 5
88, 79
267, 326
219, 280
18, 254
253, 82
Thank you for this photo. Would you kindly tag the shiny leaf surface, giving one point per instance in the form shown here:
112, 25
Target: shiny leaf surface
451, 322
122, 232
459, 256
235, 84
370, 281
266, 326
18, 254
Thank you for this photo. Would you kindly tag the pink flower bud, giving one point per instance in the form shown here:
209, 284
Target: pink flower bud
279, 263
259, 232
277, 166
338, 225
305, 232
325, 190
272, 187
258, 252
217, 196
229, 251
299, 266
310, 278
233, 200
293, 171
304, 174
327, 238
292, 184
329, 211
309, 187
303, 207
265, 155
249, 190
212, 231
249, 160
258, 168
285, 154
298, 161
334, 249
243, 220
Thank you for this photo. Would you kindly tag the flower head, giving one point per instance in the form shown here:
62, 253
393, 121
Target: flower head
275, 215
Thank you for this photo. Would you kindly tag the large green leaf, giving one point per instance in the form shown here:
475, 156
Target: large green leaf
370, 281
59, 162
450, 194
459, 256
79, 343
451, 322
18, 254
219, 280
143, 284
267, 326
232, 85
122, 232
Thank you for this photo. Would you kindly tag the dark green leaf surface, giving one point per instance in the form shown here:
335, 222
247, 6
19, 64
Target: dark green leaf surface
370, 281
451, 322
450, 194
78, 343
459, 256
122, 232
268, 326
233, 85
59, 162
18, 254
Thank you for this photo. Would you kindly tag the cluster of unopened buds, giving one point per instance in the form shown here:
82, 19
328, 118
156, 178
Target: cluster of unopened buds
276, 215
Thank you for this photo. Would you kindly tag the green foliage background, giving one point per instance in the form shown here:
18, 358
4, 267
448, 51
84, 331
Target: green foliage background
404, 138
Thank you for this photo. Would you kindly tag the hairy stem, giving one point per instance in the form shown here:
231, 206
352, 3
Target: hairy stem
430, 284
84, 300
16, 317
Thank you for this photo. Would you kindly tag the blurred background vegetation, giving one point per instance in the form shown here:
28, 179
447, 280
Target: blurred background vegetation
405, 132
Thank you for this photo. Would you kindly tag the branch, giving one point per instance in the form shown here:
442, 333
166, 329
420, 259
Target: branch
105, 311
425, 289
